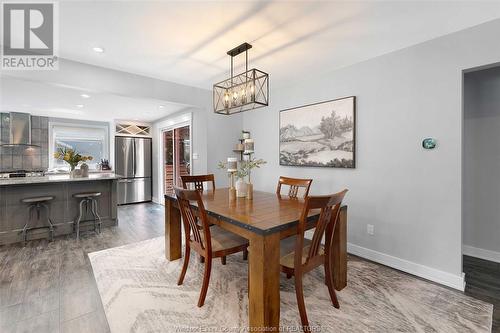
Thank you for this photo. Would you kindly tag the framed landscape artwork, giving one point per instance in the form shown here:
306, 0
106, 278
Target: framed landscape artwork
319, 135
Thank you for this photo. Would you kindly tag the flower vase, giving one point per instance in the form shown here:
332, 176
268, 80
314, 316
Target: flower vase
241, 188
72, 172
249, 191
232, 189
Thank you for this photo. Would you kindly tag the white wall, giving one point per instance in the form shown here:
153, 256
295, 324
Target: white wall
214, 136
411, 196
223, 133
481, 224
197, 119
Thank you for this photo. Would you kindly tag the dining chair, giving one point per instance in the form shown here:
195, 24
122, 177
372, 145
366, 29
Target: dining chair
294, 185
197, 181
208, 242
308, 254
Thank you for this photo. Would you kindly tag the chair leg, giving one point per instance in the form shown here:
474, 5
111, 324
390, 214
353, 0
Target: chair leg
49, 221
245, 254
97, 217
223, 260
77, 222
299, 292
206, 280
26, 225
185, 265
329, 283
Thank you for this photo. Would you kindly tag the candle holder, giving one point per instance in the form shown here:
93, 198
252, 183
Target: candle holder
249, 146
232, 168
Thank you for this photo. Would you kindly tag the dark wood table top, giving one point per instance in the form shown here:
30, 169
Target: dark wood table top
267, 213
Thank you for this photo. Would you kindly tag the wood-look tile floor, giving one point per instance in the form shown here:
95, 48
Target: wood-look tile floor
49, 287
483, 282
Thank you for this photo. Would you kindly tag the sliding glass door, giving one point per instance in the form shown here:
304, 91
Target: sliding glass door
176, 156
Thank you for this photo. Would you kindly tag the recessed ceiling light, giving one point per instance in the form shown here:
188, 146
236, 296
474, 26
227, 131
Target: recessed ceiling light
161, 107
85, 96
79, 105
98, 49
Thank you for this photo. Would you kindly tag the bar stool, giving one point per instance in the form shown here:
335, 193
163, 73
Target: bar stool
36, 204
90, 202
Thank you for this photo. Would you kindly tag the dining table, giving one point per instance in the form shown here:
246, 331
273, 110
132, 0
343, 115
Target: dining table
264, 220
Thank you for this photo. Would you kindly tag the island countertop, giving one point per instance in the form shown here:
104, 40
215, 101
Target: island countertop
63, 208
63, 178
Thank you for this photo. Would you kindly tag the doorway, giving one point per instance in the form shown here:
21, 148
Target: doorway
481, 186
176, 159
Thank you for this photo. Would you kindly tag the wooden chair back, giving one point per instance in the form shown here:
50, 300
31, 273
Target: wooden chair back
294, 185
191, 220
196, 182
328, 218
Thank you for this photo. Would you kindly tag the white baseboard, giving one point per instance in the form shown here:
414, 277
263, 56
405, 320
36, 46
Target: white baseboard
481, 253
428, 273
155, 200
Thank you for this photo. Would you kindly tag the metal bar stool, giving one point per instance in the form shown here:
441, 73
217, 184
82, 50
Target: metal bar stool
36, 204
90, 202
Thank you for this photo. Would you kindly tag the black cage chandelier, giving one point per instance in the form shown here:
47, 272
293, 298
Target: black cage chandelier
242, 92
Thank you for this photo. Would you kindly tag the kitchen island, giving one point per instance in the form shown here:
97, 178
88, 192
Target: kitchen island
63, 208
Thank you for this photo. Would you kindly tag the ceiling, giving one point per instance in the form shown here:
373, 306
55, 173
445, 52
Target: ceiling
40, 98
186, 42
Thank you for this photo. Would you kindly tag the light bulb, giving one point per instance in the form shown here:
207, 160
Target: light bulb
252, 92
235, 98
226, 100
243, 96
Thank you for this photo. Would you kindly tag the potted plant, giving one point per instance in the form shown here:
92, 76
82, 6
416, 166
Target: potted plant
71, 157
244, 189
247, 167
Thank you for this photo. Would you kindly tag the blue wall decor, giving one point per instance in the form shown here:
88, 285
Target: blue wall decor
429, 143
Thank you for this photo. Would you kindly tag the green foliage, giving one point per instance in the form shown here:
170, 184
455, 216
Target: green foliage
244, 167
71, 157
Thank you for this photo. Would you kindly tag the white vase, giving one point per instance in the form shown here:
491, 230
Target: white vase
241, 188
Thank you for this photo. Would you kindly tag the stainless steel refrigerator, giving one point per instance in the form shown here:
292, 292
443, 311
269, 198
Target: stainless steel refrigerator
133, 162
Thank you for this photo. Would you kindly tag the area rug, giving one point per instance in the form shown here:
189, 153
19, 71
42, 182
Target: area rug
138, 289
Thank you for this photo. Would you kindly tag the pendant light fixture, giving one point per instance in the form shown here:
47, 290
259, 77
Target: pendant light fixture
242, 92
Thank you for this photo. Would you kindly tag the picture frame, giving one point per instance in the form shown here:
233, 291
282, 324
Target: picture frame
321, 134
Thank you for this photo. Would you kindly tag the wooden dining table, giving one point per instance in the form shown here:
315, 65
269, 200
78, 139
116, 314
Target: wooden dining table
264, 221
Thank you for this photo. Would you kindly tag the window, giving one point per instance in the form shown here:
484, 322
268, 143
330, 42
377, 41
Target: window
92, 140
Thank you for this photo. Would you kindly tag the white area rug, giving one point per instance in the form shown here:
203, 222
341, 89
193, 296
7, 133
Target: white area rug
139, 291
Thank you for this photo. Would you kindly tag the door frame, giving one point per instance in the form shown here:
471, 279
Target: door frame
171, 124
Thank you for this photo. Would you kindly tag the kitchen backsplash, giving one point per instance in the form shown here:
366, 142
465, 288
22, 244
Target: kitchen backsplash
22, 158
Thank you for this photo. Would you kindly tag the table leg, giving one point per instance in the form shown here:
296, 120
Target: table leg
339, 260
173, 241
264, 283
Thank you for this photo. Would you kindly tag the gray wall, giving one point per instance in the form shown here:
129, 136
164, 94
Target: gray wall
21, 158
482, 160
411, 196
